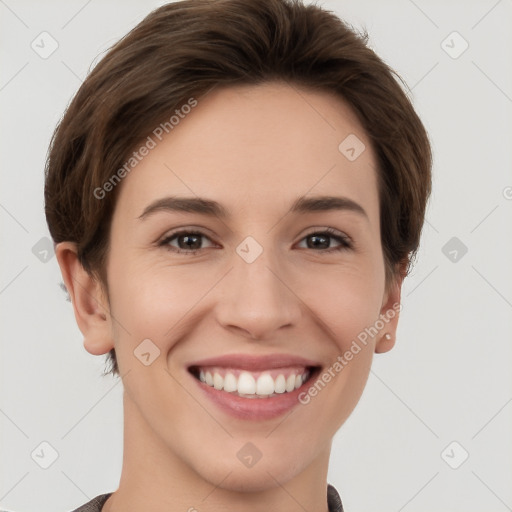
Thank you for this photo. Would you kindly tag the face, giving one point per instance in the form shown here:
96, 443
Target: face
267, 282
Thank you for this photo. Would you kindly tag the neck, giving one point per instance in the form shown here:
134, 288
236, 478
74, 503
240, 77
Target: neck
154, 479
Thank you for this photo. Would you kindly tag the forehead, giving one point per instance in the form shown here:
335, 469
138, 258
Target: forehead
257, 148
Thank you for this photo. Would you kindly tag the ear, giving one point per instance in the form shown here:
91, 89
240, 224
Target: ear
390, 312
90, 304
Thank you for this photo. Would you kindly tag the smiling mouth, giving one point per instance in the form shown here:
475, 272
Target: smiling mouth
261, 384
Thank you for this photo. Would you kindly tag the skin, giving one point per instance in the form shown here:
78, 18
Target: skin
254, 149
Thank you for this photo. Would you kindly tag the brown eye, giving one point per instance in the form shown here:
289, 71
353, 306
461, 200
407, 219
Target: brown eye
323, 240
185, 241
189, 241
318, 241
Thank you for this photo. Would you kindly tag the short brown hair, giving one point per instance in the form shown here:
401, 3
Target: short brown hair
185, 49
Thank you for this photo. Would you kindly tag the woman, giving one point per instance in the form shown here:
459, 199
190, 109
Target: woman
236, 193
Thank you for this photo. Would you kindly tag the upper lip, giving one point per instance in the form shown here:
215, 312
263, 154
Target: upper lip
255, 363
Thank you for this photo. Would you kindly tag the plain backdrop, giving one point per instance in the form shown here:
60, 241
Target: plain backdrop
432, 429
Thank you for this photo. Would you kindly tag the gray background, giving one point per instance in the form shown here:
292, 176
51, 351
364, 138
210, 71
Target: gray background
447, 380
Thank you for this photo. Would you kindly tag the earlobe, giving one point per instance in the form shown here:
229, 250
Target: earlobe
89, 302
385, 343
389, 314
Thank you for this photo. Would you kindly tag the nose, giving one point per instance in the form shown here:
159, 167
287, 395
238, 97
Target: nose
257, 299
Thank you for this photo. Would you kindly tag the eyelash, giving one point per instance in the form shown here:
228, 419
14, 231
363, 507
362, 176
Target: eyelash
345, 242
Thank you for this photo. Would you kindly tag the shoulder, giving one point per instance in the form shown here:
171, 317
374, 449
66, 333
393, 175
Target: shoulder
94, 505
333, 499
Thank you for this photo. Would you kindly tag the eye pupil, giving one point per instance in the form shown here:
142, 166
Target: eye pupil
195, 241
322, 239
191, 242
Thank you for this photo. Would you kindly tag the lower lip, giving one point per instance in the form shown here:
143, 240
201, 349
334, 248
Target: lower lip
254, 409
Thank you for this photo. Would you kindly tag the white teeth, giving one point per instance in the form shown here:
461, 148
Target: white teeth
218, 381
280, 384
247, 385
290, 383
265, 385
230, 383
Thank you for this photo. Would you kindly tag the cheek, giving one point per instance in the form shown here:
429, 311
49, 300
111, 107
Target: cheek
345, 300
156, 301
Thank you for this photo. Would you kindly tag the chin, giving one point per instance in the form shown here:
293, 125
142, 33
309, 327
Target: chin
263, 475
253, 481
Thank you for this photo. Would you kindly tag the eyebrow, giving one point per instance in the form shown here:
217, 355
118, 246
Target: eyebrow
214, 209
